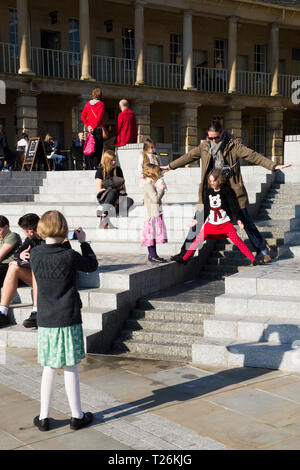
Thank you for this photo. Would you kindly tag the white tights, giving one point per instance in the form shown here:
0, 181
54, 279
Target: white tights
72, 387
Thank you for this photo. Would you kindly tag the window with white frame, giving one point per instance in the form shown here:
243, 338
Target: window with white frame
176, 48
13, 33
220, 53
260, 135
128, 47
74, 35
74, 41
260, 58
175, 132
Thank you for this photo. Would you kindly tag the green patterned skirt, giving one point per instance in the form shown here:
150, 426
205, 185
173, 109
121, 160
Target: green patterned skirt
59, 347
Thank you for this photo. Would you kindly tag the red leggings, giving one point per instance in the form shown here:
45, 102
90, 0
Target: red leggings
217, 232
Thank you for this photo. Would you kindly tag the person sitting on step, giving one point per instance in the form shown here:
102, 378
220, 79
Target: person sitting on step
9, 243
111, 190
221, 209
19, 270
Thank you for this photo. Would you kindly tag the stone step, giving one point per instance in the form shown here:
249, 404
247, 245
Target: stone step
229, 353
287, 251
226, 269
191, 198
258, 305
157, 326
169, 351
258, 329
17, 336
155, 337
182, 307
104, 298
131, 247
18, 190
275, 214
92, 317
229, 261
265, 281
8, 198
177, 316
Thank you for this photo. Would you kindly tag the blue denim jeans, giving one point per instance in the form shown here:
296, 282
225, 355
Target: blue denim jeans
254, 235
59, 161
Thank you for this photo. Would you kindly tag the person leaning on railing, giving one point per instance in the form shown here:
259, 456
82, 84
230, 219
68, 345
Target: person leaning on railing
223, 150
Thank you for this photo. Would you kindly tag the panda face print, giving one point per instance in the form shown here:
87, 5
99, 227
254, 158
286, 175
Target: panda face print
215, 201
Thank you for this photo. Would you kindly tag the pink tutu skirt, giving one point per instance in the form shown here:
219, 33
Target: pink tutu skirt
154, 231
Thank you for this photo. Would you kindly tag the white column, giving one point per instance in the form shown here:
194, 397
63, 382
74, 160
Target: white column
23, 35
232, 53
188, 49
139, 41
274, 58
85, 42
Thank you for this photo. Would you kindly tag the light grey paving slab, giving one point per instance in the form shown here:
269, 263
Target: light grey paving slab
122, 431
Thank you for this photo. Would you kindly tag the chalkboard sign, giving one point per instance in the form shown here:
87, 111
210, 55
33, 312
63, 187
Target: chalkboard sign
35, 156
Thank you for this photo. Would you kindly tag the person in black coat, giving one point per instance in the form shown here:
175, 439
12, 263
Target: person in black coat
60, 334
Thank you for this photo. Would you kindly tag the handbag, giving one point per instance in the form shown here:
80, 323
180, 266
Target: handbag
105, 134
114, 182
89, 145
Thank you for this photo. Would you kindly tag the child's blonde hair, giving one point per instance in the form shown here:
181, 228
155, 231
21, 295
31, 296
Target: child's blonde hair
152, 171
52, 224
148, 143
108, 156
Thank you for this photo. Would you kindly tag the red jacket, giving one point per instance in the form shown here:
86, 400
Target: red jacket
126, 131
93, 114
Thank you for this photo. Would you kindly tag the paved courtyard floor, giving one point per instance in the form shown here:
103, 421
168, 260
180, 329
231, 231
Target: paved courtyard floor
155, 405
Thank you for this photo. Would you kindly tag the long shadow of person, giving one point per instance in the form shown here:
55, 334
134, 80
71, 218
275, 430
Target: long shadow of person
184, 390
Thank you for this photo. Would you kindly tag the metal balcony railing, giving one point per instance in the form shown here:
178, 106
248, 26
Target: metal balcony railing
285, 84
56, 64
164, 75
113, 70
211, 80
253, 83
9, 58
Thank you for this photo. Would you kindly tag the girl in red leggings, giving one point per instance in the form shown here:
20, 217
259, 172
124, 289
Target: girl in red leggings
220, 209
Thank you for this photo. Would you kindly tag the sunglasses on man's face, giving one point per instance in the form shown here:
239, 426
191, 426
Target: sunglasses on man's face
214, 138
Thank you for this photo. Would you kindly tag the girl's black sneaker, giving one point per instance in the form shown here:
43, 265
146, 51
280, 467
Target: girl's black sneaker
76, 423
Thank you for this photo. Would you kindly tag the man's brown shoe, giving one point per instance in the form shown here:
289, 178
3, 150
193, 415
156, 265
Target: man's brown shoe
267, 258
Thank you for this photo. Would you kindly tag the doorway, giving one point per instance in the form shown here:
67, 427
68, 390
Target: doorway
50, 45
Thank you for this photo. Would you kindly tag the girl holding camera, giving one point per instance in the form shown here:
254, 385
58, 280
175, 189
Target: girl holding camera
60, 335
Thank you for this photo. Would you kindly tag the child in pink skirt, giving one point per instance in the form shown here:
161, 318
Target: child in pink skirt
154, 230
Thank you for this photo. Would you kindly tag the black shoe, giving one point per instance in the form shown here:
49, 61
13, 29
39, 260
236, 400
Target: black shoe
42, 424
178, 259
156, 260
4, 320
258, 261
31, 321
76, 423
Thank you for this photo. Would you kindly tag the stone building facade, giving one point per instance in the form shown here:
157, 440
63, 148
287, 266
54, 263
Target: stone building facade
179, 62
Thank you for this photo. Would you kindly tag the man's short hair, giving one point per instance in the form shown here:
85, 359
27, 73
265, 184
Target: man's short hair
3, 221
29, 222
124, 103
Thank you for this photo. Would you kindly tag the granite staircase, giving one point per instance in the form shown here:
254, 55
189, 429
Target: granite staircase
167, 329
